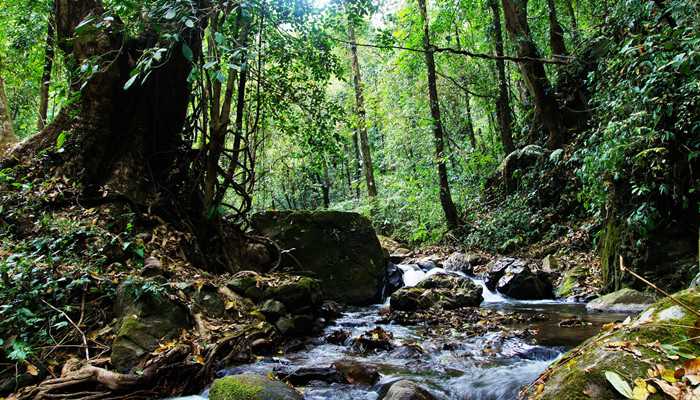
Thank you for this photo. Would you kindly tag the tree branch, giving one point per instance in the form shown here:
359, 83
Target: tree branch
435, 49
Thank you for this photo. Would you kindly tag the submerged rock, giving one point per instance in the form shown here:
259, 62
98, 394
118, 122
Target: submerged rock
407, 390
375, 340
251, 387
624, 300
302, 376
340, 248
638, 348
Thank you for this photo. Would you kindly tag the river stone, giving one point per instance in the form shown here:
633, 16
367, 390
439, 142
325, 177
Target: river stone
273, 309
296, 294
302, 376
407, 390
251, 387
394, 279
519, 282
144, 318
457, 262
340, 248
570, 282
357, 373
496, 269
624, 300
439, 290
582, 370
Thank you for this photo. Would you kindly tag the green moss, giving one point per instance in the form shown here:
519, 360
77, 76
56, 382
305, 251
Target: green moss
569, 281
609, 251
231, 388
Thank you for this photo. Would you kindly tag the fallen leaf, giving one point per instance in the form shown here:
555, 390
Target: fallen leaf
32, 369
619, 384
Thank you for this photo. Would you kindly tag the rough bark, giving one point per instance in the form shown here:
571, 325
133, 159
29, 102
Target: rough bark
556, 32
7, 132
365, 153
503, 111
572, 16
448, 206
46, 74
533, 72
118, 142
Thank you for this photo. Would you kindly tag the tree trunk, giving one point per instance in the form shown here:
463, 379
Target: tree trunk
448, 206
469, 121
533, 71
7, 132
365, 154
556, 32
326, 186
503, 111
46, 75
572, 15
357, 164
119, 142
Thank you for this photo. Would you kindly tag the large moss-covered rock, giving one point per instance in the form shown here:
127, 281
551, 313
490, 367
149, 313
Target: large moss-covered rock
570, 282
340, 248
656, 336
251, 387
146, 315
624, 300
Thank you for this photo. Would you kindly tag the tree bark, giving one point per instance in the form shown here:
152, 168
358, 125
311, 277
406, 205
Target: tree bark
119, 142
556, 32
365, 153
46, 75
572, 15
533, 72
503, 111
7, 132
448, 206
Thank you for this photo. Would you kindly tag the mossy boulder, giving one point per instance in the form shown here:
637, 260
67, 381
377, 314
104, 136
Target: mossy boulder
251, 387
570, 282
340, 248
146, 315
439, 290
656, 336
624, 300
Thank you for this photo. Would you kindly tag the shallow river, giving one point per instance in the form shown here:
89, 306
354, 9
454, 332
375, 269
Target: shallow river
454, 366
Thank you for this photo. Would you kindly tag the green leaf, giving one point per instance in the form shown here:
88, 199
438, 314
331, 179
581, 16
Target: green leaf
20, 351
61, 140
170, 14
619, 384
189, 23
130, 82
187, 52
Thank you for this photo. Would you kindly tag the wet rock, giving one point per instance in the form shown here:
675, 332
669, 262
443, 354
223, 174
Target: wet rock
407, 390
340, 248
357, 373
458, 262
624, 300
251, 387
262, 347
302, 292
519, 282
394, 249
273, 309
550, 264
475, 259
338, 337
206, 300
144, 319
428, 263
375, 340
539, 354
247, 284
295, 325
394, 279
439, 290
302, 376
496, 269
628, 348
569, 284
330, 310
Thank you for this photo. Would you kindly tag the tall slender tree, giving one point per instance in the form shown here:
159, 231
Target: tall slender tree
503, 110
46, 74
448, 206
365, 153
533, 72
7, 132
556, 32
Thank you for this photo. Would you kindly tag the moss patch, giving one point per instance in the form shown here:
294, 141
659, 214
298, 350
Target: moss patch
230, 388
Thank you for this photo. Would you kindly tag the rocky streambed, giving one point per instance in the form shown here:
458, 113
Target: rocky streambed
487, 352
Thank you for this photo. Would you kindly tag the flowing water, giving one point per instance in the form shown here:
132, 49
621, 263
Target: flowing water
453, 366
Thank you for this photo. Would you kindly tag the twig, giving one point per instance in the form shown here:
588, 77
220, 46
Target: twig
680, 303
85, 344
